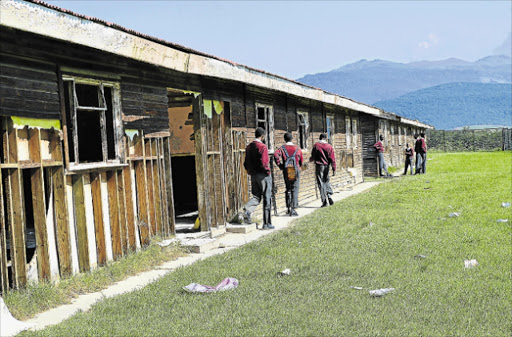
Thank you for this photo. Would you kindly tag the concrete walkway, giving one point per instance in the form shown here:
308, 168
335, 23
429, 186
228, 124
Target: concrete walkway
220, 245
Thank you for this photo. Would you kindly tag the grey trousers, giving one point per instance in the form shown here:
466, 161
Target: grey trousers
419, 165
292, 193
323, 181
382, 164
424, 162
261, 188
408, 162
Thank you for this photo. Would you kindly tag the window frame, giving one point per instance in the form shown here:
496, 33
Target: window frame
355, 133
268, 121
69, 83
330, 128
348, 131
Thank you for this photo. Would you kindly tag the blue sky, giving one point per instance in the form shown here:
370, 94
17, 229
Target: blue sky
295, 38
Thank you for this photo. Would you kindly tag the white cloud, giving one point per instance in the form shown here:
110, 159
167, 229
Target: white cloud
431, 41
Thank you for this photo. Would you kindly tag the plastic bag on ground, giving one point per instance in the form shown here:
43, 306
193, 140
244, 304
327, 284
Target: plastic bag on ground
454, 214
502, 220
505, 204
381, 292
10, 326
226, 284
285, 272
470, 263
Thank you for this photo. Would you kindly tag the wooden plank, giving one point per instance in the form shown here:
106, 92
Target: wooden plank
39, 207
122, 212
75, 268
142, 196
80, 222
113, 204
4, 278
150, 186
168, 185
130, 215
98, 218
89, 216
106, 215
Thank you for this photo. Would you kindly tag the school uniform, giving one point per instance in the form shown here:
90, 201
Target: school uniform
292, 187
419, 158
380, 154
323, 156
257, 164
409, 155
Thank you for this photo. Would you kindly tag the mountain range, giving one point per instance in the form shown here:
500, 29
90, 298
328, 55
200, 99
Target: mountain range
401, 88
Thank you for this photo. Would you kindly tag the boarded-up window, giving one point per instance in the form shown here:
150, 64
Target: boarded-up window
303, 129
265, 120
348, 131
329, 119
93, 121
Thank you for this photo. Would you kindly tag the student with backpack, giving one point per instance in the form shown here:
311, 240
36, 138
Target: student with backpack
289, 159
323, 157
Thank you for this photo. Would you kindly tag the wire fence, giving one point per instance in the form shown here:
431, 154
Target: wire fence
496, 139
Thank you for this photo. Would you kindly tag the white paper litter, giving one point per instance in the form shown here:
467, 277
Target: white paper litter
381, 292
166, 243
505, 204
285, 272
470, 263
356, 288
226, 284
420, 257
454, 214
502, 220
10, 326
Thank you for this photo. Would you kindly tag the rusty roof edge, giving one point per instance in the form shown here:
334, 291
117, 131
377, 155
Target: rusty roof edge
178, 57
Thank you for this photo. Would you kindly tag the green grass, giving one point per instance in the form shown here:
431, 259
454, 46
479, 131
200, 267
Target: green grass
36, 298
335, 248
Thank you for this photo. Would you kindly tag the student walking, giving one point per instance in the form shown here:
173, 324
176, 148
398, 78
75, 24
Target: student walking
380, 156
289, 159
257, 165
417, 149
323, 157
409, 155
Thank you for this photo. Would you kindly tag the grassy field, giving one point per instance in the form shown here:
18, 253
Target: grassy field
369, 240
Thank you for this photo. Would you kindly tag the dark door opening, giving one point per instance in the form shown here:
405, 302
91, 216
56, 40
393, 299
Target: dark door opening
184, 191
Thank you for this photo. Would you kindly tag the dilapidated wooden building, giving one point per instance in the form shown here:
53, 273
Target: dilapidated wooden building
110, 137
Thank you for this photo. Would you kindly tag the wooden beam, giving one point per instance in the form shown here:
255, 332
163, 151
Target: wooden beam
130, 219
167, 169
61, 221
4, 278
150, 187
113, 204
80, 222
122, 212
98, 218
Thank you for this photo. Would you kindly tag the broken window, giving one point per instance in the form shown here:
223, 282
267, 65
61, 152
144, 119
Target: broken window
329, 120
303, 129
93, 120
265, 120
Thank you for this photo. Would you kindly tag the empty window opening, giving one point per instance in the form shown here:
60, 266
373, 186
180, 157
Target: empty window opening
92, 121
265, 120
329, 120
184, 191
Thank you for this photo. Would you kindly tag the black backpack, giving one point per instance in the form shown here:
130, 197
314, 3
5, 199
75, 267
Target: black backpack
291, 170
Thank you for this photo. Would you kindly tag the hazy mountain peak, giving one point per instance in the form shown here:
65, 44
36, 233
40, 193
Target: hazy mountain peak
450, 62
495, 60
364, 63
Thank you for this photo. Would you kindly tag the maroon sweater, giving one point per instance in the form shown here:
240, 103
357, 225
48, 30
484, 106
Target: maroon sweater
323, 154
256, 158
280, 157
379, 146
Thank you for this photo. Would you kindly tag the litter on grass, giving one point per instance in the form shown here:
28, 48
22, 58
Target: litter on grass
10, 326
470, 263
441, 219
505, 204
371, 224
420, 257
381, 292
502, 220
166, 243
356, 288
285, 272
226, 284
454, 214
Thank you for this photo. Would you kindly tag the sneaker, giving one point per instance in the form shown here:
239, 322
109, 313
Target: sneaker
247, 218
294, 213
265, 226
331, 202
324, 204
269, 226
